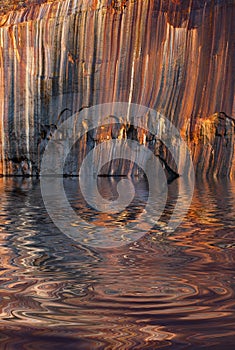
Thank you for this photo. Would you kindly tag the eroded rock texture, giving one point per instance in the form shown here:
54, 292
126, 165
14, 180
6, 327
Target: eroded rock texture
174, 56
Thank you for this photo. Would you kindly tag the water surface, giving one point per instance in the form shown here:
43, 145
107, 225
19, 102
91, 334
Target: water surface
164, 291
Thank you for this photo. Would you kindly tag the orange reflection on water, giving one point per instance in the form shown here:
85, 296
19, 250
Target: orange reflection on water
164, 290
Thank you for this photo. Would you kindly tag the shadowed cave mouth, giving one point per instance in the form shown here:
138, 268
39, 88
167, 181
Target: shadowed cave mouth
119, 167
112, 172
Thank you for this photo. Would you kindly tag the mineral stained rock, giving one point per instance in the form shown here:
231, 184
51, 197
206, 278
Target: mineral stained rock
176, 57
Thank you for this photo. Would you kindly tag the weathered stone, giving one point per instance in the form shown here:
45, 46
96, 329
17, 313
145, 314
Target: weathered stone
174, 56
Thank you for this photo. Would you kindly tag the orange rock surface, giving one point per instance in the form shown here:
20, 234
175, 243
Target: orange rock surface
176, 57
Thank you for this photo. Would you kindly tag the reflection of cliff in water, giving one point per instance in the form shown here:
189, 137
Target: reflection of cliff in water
164, 290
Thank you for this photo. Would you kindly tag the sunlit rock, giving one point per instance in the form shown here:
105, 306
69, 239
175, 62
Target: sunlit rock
176, 57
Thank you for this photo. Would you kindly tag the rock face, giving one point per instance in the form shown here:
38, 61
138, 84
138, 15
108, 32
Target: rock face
176, 57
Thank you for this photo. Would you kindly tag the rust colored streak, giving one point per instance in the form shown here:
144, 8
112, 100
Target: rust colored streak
173, 56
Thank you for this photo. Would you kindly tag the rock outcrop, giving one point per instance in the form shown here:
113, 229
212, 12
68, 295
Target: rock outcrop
176, 57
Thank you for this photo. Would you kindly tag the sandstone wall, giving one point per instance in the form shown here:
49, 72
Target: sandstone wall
174, 56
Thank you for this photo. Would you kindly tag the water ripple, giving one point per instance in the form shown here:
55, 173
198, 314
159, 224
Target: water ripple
166, 290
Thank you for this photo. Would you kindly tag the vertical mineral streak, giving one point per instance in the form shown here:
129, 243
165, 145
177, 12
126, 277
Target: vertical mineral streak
174, 56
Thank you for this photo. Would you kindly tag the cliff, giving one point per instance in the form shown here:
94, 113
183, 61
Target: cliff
176, 57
